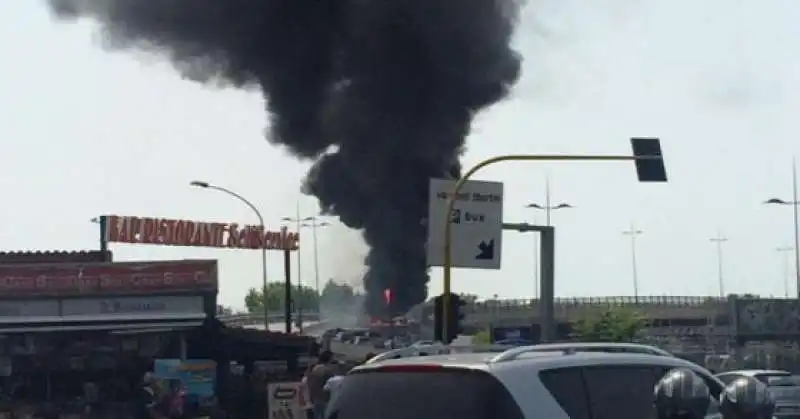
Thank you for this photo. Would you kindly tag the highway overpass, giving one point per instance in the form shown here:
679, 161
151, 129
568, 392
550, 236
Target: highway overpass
568, 310
525, 311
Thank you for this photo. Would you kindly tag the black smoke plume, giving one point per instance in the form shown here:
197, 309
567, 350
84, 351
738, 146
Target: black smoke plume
379, 93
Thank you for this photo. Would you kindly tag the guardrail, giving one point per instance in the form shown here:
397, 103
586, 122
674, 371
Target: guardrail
246, 319
566, 304
673, 301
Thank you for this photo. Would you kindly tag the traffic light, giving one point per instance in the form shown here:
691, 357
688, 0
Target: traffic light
454, 318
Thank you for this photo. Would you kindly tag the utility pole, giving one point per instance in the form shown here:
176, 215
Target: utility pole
794, 203
786, 261
547, 207
719, 240
633, 232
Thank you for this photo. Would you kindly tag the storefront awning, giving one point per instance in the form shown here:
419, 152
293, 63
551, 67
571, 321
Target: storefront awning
116, 327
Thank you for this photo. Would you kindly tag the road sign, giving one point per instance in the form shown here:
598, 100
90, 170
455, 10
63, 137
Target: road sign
650, 169
477, 224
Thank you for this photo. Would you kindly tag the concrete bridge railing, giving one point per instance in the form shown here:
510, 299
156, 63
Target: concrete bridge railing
247, 319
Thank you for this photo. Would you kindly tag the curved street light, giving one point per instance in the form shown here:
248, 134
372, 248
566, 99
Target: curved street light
206, 185
633, 232
794, 203
547, 207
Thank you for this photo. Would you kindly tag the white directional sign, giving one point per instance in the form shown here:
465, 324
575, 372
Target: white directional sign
476, 224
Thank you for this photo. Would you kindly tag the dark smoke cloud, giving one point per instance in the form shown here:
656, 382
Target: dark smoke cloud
379, 93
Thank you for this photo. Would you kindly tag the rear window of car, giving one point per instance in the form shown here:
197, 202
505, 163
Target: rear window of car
783, 381
441, 394
610, 392
773, 376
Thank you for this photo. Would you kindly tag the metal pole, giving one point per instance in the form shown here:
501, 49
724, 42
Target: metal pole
316, 255
547, 302
299, 303
633, 232
718, 241
103, 222
719, 269
795, 204
263, 230
547, 206
264, 282
635, 270
287, 289
786, 262
536, 265
448, 236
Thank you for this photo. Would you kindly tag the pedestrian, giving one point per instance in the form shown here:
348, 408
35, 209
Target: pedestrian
319, 375
331, 386
146, 403
304, 396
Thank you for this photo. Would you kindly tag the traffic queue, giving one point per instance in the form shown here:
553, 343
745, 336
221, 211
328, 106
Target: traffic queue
524, 383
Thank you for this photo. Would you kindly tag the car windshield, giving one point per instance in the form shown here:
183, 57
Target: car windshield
439, 394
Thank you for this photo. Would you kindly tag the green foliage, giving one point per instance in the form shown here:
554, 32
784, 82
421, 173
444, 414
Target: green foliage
305, 298
617, 324
481, 338
337, 293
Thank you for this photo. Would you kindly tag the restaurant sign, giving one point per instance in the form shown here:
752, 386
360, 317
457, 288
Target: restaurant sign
122, 278
161, 305
168, 232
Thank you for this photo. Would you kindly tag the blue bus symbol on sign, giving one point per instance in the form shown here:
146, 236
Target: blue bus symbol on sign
455, 216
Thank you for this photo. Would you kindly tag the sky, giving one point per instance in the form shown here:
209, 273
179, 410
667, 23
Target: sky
87, 132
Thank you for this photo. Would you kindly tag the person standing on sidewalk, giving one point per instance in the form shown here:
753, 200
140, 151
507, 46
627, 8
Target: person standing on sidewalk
304, 395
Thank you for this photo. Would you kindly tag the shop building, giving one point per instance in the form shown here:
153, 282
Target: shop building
65, 324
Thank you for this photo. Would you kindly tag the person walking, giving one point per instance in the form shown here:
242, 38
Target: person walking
319, 375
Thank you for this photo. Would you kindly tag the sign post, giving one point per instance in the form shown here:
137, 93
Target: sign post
477, 223
646, 156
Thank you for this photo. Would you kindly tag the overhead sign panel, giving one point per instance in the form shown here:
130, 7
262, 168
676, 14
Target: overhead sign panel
476, 223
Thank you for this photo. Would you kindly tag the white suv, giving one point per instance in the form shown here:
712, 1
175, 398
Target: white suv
520, 383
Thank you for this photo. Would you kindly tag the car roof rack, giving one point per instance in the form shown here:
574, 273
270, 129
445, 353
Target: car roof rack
438, 349
572, 348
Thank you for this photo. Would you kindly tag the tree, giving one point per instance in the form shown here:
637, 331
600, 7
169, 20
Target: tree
337, 294
616, 324
482, 338
468, 298
304, 298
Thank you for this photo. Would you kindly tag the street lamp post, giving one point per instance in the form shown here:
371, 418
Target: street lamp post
719, 240
633, 232
786, 262
314, 223
548, 207
298, 306
311, 222
795, 203
262, 226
